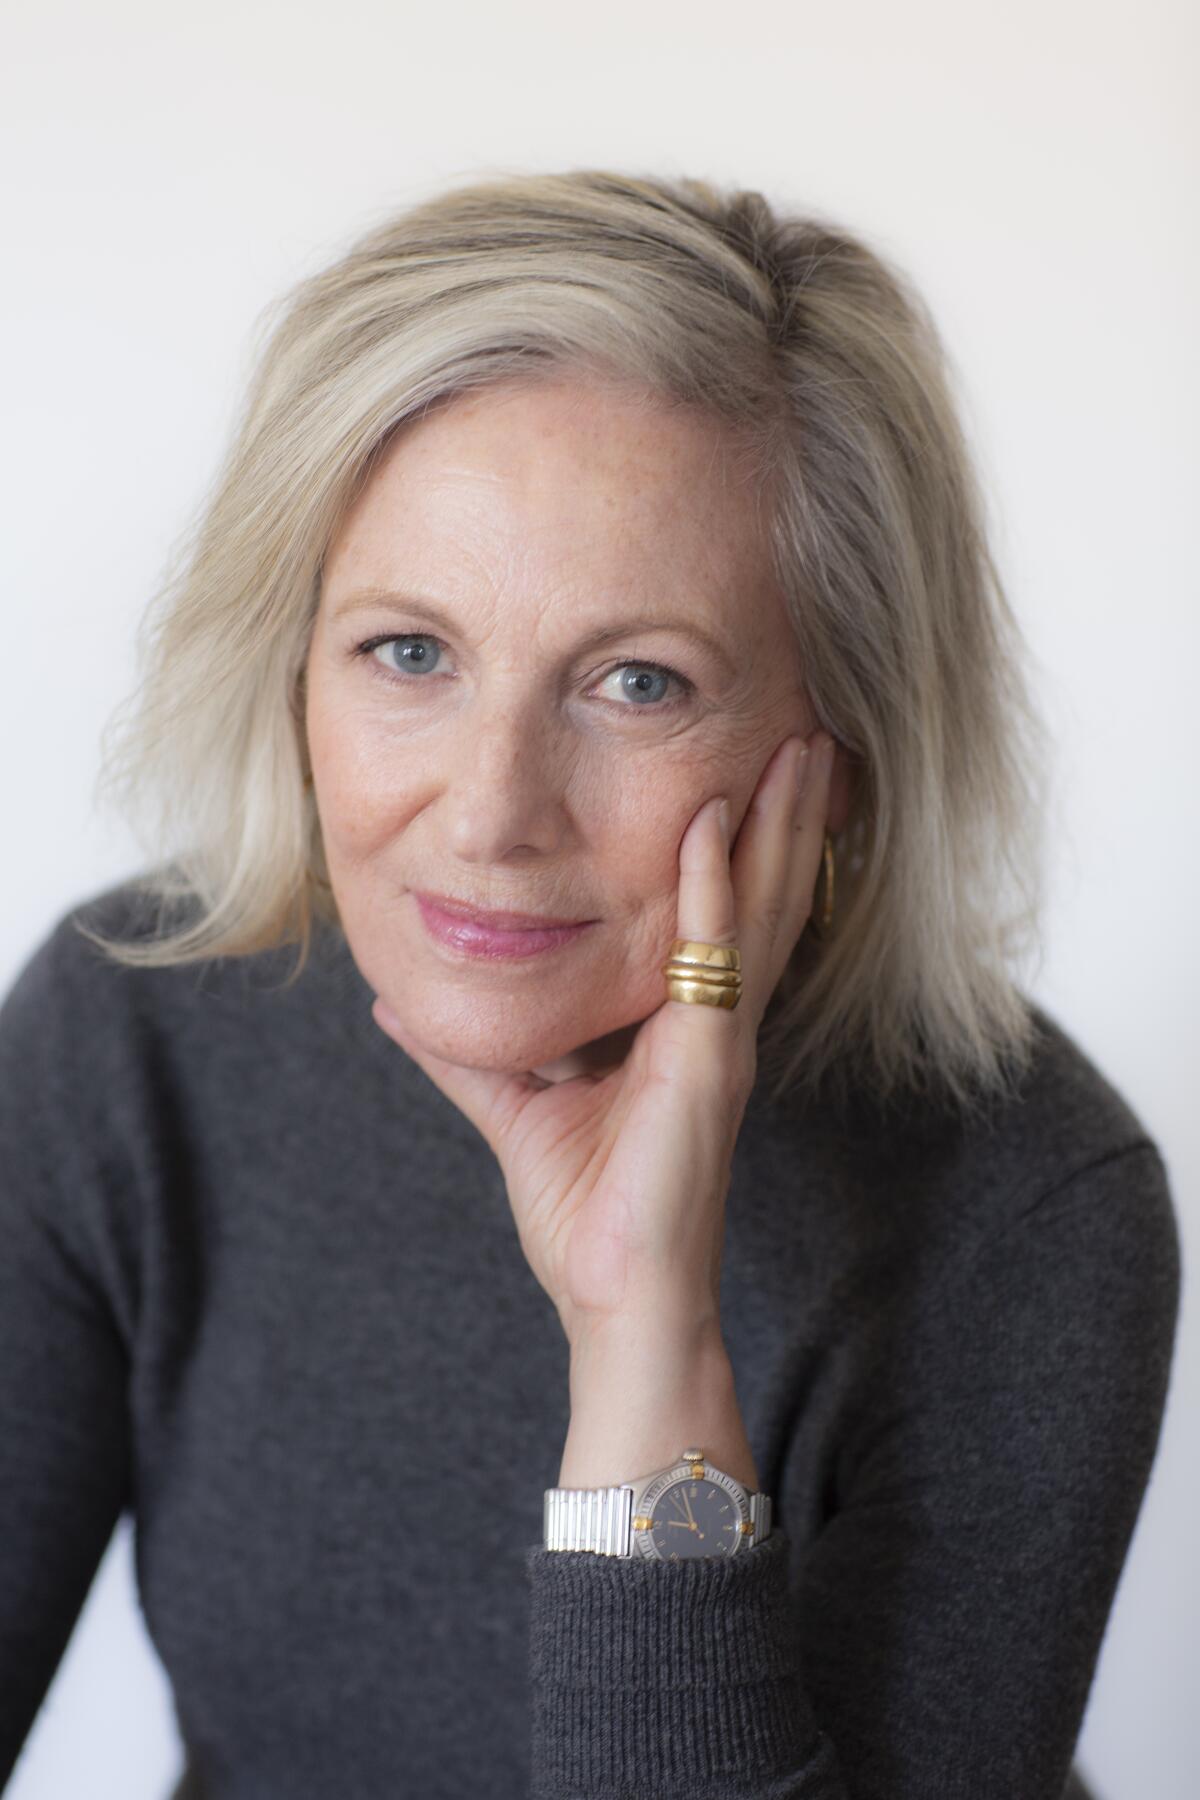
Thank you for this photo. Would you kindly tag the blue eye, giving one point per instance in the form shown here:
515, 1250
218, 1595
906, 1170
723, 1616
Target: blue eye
417, 656
644, 682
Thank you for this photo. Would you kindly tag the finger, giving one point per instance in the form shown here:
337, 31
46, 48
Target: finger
778, 855
705, 914
705, 906
811, 819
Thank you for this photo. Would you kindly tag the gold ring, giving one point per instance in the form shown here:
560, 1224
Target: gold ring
699, 974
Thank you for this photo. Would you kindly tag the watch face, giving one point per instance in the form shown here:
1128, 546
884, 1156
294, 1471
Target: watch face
695, 1518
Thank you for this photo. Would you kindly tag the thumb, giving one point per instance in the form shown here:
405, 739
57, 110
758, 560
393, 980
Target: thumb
490, 1098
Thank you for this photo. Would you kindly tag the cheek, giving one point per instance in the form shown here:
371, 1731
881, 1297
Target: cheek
362, 790
360, 800
637, 841
629, 820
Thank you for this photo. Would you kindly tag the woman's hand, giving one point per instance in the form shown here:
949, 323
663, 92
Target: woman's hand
617, 1181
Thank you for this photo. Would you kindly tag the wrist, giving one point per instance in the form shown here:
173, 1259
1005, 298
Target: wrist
682, 1315
641, 1389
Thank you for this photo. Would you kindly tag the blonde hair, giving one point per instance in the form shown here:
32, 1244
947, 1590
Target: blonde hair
821, 355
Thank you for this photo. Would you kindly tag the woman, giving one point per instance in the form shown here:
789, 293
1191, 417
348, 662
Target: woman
592, 658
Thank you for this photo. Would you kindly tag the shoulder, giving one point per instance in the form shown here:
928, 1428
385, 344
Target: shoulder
70, 975
924, 1190
112, 1073
117, 1044
70, 991
1065, 1158
75, 1021
76, 1120
1069, 1199
97, 1045
1064, 1116
1035, 1246
1071, 1278
1060, 1115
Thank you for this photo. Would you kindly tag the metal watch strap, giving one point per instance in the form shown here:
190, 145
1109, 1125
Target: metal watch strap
600, 1519
588, 1519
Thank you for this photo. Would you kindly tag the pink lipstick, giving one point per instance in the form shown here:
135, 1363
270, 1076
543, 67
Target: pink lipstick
494, 935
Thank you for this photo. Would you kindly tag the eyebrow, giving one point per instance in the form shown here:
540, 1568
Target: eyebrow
369, 598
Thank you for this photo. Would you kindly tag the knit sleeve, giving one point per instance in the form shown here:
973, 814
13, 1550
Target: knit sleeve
64, 1433
940, 1634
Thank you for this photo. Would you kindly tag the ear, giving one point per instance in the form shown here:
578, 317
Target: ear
843, 785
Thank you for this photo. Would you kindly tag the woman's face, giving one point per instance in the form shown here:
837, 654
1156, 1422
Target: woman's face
580, 642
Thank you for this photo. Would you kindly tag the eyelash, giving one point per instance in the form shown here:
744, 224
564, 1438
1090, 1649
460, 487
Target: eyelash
397, 637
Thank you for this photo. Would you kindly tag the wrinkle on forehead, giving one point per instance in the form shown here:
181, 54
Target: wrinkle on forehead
535, 514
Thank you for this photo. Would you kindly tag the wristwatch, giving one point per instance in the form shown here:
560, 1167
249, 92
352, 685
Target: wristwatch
690, 1509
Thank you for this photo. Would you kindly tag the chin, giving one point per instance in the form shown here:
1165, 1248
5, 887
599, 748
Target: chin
498, 1039
488, 1037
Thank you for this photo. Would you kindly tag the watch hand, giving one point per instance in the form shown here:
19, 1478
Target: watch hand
683, 1524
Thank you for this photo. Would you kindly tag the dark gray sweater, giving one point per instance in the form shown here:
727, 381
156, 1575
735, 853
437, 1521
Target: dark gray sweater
261, 1285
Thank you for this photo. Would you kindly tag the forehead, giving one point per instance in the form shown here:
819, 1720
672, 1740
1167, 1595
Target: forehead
565, 469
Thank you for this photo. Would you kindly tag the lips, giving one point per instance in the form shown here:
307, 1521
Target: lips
498, 921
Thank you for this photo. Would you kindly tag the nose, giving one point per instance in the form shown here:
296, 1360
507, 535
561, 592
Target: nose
504, 793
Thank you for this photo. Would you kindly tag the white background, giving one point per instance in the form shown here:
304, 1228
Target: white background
169, 169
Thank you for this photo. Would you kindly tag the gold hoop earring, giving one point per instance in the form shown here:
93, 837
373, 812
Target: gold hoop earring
821, 927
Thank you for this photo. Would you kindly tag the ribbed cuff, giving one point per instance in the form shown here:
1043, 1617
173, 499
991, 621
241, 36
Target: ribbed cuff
649, 1676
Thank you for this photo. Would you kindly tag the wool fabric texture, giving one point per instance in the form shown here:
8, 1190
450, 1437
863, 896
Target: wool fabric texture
262, 1291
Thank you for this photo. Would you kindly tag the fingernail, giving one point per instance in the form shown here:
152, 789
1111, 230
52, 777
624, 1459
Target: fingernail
802, 766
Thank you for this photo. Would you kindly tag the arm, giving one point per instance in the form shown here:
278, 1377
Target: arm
940, 1634
708, 1684
64, 1433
